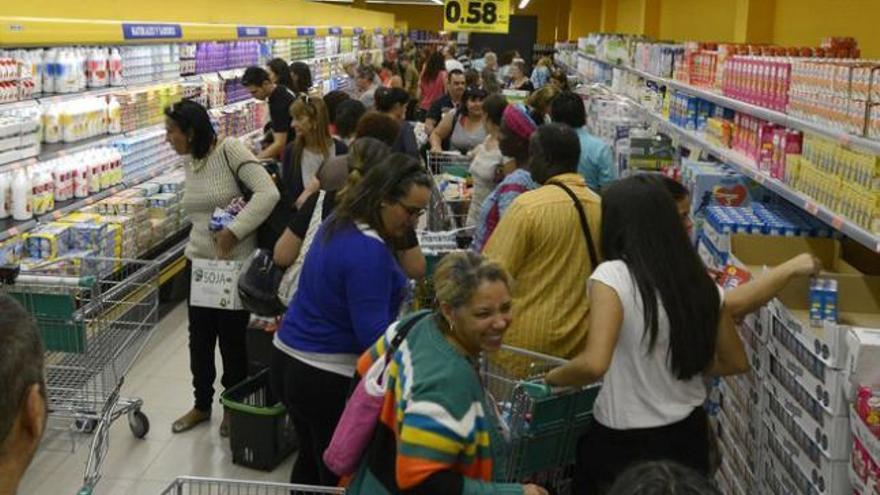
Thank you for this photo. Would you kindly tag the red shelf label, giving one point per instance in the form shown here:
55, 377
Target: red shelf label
56, 215
812, 208
13, 231
837, 222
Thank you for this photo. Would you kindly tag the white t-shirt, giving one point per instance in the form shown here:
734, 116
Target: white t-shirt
453, 64
640, 390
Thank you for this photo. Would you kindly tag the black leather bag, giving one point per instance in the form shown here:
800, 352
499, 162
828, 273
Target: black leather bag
271, 229
258, 283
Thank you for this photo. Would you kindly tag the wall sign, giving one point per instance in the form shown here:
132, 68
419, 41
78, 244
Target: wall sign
151, 31
481, 16
358, 30
335, 31
253, 32
305, 31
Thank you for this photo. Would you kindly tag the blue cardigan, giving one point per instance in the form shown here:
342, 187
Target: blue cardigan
350, 289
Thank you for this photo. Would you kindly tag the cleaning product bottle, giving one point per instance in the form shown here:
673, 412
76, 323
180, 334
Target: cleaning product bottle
114, 116
52, 124
114, 65
50, 57
5, 196
80, 178
22, 208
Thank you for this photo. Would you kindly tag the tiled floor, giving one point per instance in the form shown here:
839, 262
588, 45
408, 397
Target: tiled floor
145, 467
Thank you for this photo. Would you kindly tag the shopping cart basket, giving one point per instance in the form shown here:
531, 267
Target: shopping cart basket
435, 245
192, 485
450, 197
541, 426
96, 316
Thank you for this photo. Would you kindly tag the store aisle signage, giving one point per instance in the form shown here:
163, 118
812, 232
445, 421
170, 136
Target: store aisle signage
253, 32
335, 31
151, 31
481, 16
358, 30
305, 31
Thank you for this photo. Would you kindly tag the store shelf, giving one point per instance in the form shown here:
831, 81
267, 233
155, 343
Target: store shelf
747, 167
62, 97
848, 140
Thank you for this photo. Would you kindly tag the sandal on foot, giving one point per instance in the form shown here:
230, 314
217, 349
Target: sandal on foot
189, 420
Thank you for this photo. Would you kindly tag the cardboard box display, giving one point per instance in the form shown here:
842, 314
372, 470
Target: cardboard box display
754, 252
817, 473
748, 451
827, 385
776, 477
827, 431
859, 307
869, 441
741, 422
755, 350
731, 476
745, 475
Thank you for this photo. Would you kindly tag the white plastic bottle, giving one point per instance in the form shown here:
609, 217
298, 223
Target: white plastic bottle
98, 68
49, 59
5, 196
52, 124
114, 116
80, 178
114, 65
94, 175
22, 208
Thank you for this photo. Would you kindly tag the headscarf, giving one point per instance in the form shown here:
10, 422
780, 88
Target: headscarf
516, 117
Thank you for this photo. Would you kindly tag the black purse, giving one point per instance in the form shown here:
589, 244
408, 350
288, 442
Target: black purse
273, 226
258, 284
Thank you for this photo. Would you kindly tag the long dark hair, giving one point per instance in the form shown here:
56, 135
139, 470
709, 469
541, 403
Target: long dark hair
433, 67
191, 117
388, 181
303, 81
282, 72
641, 226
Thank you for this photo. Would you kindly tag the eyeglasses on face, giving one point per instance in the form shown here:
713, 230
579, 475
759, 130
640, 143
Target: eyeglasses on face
413, 211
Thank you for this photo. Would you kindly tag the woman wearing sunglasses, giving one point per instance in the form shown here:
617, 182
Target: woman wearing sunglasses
350, 289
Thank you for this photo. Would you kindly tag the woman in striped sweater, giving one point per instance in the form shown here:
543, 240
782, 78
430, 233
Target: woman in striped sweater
437, 433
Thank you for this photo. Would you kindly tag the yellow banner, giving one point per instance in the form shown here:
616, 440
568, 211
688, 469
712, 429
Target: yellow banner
479, 16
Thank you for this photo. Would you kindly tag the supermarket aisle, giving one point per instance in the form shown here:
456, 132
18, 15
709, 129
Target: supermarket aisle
145, 467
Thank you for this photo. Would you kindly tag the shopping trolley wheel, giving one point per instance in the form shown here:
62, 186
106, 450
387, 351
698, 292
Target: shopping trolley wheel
139, 423
86, 425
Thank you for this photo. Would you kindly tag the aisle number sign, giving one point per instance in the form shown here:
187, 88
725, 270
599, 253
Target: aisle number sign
481, 16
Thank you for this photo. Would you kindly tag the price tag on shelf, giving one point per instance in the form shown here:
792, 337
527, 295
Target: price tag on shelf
812, 208
13, 231
56, 215
845, 141
214, 284
837, 222
482, 16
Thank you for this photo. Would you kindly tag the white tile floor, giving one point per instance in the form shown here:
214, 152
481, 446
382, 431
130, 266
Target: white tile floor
145, 467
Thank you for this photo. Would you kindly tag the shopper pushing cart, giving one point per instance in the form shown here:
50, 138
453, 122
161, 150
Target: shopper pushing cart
95, 315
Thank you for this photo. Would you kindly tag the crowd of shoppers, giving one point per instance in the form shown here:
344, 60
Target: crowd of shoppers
567, 260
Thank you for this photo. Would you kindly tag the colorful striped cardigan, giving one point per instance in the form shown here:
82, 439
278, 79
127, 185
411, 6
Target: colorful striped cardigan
435, 433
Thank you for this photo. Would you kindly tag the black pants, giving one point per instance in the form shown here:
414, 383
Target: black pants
604, 453
314, 399
206, 327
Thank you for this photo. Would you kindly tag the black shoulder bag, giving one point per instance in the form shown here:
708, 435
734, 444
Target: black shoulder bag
594, 258
273, 226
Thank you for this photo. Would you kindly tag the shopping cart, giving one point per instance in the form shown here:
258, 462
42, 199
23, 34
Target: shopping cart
541, 426
450, 197
192, 485
435, 245
95, 316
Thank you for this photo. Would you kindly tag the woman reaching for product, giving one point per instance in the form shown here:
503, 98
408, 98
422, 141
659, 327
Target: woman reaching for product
751, 296
351, 288
437, 433
211, 182
513, 141
463, 129
657, 326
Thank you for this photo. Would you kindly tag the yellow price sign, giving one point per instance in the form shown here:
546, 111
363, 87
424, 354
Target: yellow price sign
480, 16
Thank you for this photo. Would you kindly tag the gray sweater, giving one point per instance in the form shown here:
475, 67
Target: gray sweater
210, 183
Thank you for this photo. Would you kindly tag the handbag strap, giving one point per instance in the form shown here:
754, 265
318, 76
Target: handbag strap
245, 192
594, 259
401, 334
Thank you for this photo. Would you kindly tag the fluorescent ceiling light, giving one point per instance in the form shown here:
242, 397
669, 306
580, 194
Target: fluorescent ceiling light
523, 4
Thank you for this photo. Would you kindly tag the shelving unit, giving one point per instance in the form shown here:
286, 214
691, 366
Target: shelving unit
746, 165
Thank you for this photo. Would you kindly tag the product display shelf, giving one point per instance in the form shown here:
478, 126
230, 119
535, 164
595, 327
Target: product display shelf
10, 227
852, 141
747, 167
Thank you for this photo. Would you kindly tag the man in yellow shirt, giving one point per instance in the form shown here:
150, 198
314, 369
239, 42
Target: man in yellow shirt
542, 242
